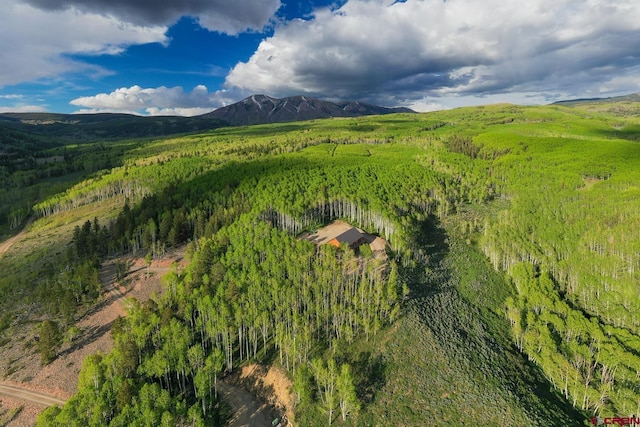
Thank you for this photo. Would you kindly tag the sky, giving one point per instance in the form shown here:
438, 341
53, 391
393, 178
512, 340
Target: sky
189, 57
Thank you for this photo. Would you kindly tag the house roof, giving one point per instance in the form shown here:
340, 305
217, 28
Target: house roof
350, 236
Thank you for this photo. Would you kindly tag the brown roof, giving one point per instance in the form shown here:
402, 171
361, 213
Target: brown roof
350, 236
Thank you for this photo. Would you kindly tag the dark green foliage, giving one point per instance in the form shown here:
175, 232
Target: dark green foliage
90, 242
76, 281
100, 127
462, 144
5, 321
49, 340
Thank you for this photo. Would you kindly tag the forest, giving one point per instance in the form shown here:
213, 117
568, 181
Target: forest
519, 220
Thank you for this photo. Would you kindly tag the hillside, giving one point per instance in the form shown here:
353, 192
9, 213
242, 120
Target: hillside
105, 126
619, 107
261, 109
505, 298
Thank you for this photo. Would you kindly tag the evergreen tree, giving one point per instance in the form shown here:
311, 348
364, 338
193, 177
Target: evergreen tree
49, 341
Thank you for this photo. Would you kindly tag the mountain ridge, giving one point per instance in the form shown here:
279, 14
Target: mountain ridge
253, 110
261, 109
632, 97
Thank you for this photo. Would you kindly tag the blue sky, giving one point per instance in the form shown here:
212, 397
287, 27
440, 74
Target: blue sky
189, 57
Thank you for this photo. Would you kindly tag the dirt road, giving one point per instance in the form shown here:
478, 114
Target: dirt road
4, 247
37, 398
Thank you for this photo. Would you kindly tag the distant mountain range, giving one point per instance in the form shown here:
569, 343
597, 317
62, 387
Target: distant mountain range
259, 109
634, 97
256, 109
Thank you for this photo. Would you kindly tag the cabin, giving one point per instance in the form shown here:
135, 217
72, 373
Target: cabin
352, 237
339, 233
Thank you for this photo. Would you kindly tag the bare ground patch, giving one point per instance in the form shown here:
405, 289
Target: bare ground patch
272, 384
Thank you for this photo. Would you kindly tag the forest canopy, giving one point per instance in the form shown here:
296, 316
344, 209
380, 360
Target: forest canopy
548, 194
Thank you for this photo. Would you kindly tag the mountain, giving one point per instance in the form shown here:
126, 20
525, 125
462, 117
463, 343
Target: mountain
258, 109
634, 97
90, 127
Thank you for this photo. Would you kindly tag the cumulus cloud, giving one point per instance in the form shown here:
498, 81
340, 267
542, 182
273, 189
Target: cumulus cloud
38, 38
224, 16
155, 101
416, 50
35, 44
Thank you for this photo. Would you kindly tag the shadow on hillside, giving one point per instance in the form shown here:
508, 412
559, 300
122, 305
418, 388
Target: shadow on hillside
105, 301
424, 278
89, 336
268, 129
630, 133
480, 339
371, 375
433, 238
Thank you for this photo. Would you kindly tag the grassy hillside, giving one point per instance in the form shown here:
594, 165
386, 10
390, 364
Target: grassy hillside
512, 227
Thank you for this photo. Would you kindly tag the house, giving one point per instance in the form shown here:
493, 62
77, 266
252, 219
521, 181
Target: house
352, 237
340, 232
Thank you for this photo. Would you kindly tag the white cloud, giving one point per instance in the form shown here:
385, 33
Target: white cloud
186, 112
377, 49
23, 109
35, 44
621, 83
155, 101
19, 103
233, 17
226, 16
425, 105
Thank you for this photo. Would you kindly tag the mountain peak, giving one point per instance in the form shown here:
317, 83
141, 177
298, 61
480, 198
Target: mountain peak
258, 109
